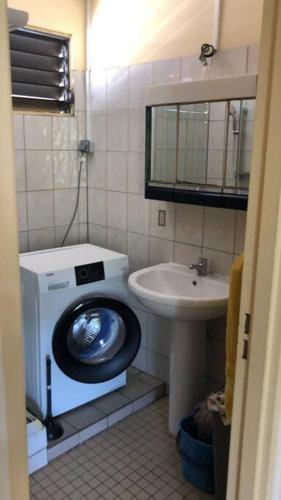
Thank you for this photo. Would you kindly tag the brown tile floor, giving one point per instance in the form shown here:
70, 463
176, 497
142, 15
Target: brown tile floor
135, 459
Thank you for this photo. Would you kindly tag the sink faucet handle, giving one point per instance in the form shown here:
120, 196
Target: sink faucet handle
201, 267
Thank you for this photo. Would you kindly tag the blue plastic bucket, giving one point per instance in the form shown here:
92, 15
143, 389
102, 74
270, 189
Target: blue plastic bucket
197, 457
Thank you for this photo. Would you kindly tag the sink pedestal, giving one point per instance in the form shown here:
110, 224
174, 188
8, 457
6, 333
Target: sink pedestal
187, 369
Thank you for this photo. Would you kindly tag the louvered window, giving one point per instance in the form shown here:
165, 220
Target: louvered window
40, 71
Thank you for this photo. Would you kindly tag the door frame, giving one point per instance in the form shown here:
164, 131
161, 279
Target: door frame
13, 456
252, 423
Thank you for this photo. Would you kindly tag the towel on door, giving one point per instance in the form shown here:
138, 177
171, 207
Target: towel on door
232, 326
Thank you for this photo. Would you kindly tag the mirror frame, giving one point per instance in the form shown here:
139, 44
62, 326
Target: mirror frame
214, 90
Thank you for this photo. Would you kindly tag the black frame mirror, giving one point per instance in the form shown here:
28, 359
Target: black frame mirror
190, 105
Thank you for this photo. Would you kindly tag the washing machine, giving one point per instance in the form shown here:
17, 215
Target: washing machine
78, 328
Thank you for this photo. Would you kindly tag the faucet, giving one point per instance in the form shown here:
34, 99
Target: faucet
201, 267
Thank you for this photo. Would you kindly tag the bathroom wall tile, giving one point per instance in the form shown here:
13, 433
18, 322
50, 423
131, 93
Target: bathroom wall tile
39, 170
241, 218
83, 233
98, 131
227, 63
159, 335
65, 133
117, 131
40, 206
98, 89
117, 88
79, 90
140, 75
22, 211
166, 71
218, 262
215, 164
72, 237
117, 210
64, 206
66, 169
160, 250
23, 241
98, 235
138, 247
157, 365
39, 239
253, 59
38, 132
138, 214
186, 254
136, 168
83, 206
218, 111
217, 131
97, 170
19, 158
140, 359
18, 131
167, 231
117, 167
81, 125
117, 240
219, 229
191, 68
189, 224
136, 130
97, 206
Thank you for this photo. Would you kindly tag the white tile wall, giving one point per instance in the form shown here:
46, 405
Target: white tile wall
46, 173
119, 216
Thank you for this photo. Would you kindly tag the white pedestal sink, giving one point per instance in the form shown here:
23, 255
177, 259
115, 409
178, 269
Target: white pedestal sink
177, 293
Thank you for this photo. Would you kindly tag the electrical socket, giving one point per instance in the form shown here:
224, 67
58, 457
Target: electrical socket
86, 146
162, 218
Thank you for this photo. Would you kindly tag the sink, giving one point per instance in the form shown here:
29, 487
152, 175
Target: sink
175, 292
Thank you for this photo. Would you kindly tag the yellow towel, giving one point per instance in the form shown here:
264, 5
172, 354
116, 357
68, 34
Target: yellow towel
232, 326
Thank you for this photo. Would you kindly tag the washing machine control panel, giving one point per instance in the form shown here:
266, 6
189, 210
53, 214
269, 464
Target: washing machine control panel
89, 273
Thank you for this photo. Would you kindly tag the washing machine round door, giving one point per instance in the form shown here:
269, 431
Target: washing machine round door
96, 339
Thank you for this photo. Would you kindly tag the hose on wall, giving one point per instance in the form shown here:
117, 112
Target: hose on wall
83, 159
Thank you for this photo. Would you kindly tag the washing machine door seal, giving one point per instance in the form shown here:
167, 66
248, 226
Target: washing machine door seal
96, 339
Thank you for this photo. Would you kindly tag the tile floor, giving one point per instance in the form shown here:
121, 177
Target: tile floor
90, 419
135, 459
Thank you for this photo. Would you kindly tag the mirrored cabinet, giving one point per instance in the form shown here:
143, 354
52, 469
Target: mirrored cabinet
200, 152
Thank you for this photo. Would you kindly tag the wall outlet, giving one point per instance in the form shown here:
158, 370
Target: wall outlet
162, 218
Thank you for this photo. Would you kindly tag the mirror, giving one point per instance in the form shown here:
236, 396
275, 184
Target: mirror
203, 146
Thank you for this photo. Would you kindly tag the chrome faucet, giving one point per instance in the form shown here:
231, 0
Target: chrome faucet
201, 267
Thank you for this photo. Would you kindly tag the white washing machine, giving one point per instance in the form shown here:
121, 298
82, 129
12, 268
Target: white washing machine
76, 317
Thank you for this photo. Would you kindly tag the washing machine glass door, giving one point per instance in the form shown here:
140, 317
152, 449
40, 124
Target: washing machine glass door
96, 339
96, 335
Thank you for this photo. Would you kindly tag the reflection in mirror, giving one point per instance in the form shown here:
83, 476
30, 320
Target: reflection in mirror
164, 144
202, 145
193, 143
240, 142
